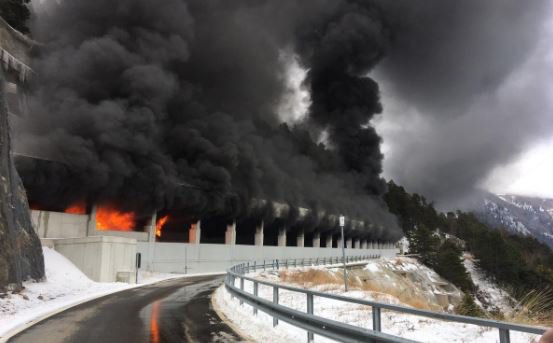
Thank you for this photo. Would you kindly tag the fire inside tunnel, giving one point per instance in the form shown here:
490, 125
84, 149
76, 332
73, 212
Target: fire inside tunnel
174, 226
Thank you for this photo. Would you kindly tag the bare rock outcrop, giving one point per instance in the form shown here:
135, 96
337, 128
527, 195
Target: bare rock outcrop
20, 250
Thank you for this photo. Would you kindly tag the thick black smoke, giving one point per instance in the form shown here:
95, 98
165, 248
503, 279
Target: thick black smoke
135, 100
339, 51
467, 89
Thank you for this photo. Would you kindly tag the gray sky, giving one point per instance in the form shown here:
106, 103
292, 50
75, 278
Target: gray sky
468, 101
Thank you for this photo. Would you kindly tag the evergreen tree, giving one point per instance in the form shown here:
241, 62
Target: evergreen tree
449, 264
16, 13
425, 243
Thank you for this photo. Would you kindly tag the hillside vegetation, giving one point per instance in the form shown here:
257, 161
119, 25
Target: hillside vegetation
520, 264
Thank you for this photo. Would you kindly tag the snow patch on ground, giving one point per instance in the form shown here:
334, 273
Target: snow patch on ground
490, 296
260, 329
65, 285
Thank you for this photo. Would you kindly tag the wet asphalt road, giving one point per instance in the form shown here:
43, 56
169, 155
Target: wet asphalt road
172, 311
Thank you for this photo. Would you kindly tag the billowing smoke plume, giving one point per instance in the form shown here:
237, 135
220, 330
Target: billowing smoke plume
466, 88
136, 101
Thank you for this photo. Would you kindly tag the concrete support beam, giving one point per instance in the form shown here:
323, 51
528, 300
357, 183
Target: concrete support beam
151, 241
364, 244
195, 233
329, 241
340, 243
151, 228
300, 239
91, 225
230, 234
316, 240
282, 237
349, 242
259, 234
357, 244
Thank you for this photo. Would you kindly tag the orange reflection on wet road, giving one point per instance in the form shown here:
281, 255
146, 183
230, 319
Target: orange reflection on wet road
154, 323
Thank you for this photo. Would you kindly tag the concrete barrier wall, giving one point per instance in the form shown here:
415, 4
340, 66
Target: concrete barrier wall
139, 236
199, 258
101, 258
59, 225
65, 225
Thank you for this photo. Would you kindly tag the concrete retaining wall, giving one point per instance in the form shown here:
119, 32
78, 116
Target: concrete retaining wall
139, 236
199, 258
59, 225
101, 258
50, 224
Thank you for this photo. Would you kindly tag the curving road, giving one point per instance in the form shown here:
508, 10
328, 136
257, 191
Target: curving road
171, 311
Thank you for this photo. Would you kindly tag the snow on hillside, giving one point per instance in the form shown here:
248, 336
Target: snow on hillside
519, 214
490, 296
259, 328
65, 285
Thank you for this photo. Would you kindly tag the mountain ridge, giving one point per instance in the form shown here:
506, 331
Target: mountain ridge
525, 215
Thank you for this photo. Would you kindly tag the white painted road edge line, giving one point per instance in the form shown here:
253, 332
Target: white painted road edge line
14, 331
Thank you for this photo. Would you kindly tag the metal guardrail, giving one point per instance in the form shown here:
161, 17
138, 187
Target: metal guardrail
332, 329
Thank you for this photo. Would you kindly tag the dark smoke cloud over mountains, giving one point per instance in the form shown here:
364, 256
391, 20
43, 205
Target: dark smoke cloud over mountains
138, 98
466, 89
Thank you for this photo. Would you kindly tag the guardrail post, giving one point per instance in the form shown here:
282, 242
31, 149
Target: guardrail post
264, 265
376, 319
275, 301
295, 263
504, 336
232, 279
242, 288
254, 266
277, 264
310, 335
255, 289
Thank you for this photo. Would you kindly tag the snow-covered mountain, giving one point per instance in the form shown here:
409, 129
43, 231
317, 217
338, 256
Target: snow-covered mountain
520, 214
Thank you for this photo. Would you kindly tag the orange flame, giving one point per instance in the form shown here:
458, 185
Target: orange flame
159, 225
76, 208
108, 218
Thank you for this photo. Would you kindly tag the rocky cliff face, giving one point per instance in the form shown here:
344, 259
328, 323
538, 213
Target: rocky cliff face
20, 251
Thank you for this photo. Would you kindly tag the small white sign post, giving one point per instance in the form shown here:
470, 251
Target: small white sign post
342, 224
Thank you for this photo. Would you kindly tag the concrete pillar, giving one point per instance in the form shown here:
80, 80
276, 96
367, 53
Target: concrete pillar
357, 244
151, 228
364, 244
349, 241
195, 233
282, 237
149, 263
300, 239
316, 240
329, 241
340, 243
91, 224
259, 234
230, 234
